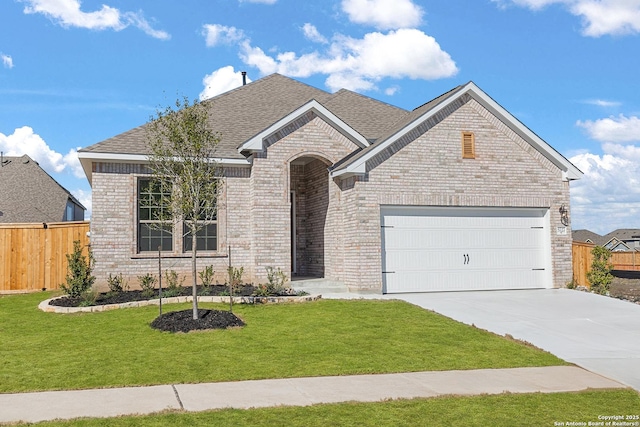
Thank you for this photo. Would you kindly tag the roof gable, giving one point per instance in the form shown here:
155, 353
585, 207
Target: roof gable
255, 143
439, 108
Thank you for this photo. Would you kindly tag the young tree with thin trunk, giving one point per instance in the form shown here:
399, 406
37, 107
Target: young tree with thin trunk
181, 160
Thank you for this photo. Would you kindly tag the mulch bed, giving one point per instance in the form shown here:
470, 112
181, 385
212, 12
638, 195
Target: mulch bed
176, 321
137, 295
182, 321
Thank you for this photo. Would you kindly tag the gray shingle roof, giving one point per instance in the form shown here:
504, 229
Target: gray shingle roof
246, 111
238, 115
584, 235
623, 234
29, 194
369, 117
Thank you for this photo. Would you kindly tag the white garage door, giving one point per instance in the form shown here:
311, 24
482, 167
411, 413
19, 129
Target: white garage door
457, 249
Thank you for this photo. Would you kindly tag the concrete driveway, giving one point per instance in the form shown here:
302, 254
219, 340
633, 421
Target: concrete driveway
598, 333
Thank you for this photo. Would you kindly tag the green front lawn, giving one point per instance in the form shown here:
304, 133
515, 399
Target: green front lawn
46, 351
500, 410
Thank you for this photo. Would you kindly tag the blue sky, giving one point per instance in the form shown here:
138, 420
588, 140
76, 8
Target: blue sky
73, 73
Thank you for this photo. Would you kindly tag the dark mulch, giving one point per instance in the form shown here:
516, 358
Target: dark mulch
137, 295
182, 321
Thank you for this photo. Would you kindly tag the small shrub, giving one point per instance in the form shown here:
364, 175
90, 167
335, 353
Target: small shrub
89, 298
235, 278
174, 284
571, 284
117, 284
147, 284
262, 291
79, 279
206, 279
599, 276
276, 279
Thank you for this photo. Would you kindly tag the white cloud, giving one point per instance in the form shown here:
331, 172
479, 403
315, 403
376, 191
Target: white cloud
608, 195
357, 64
613, 129
614, 17
219, 34
392, 90
24, 141
384, 14
312, 34
220, 81
531, 4
603, 103
599, 17
67, 13
7, 61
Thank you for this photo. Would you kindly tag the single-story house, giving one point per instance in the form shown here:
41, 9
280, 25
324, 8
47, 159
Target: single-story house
454, 195
29, 194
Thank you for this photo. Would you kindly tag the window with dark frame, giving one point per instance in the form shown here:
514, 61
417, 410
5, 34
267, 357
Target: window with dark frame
154, 229
206, 237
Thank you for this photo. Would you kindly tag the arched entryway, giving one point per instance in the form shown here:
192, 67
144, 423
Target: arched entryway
309, 197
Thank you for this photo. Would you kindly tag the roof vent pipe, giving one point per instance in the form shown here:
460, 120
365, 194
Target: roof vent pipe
244, 78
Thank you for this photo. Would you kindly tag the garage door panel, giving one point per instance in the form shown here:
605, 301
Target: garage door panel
419, 281
402, 238
440, 249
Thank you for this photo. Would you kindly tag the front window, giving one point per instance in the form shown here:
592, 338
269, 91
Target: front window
206, 236
154, 228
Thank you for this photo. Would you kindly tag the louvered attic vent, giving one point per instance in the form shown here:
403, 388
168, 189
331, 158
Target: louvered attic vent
468, 145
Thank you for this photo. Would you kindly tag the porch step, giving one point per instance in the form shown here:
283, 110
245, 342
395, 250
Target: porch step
324, 287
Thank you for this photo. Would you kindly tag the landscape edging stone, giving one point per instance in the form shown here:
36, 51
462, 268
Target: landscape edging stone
47, 308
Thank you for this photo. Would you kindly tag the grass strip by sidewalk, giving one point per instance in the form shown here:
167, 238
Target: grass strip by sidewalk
47, 351
498, 410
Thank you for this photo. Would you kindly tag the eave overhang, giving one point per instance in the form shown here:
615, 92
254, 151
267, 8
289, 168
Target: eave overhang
87, 158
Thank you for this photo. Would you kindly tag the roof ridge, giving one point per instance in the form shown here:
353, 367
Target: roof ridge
343, 90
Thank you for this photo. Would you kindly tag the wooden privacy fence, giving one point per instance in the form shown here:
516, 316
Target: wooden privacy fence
582, 259
33, 256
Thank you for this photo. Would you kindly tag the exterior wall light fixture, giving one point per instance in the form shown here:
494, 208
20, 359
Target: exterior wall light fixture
564, 215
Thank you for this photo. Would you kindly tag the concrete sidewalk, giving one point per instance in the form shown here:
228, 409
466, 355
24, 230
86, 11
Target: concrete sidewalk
34, 407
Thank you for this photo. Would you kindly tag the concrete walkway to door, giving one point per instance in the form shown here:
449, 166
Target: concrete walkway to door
598, 333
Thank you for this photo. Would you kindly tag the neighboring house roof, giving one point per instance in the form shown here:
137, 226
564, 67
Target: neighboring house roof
620, 239
29, 194
587, 236
616, 245
247, 115
624, 234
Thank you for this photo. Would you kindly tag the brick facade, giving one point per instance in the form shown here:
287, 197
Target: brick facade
337, 229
